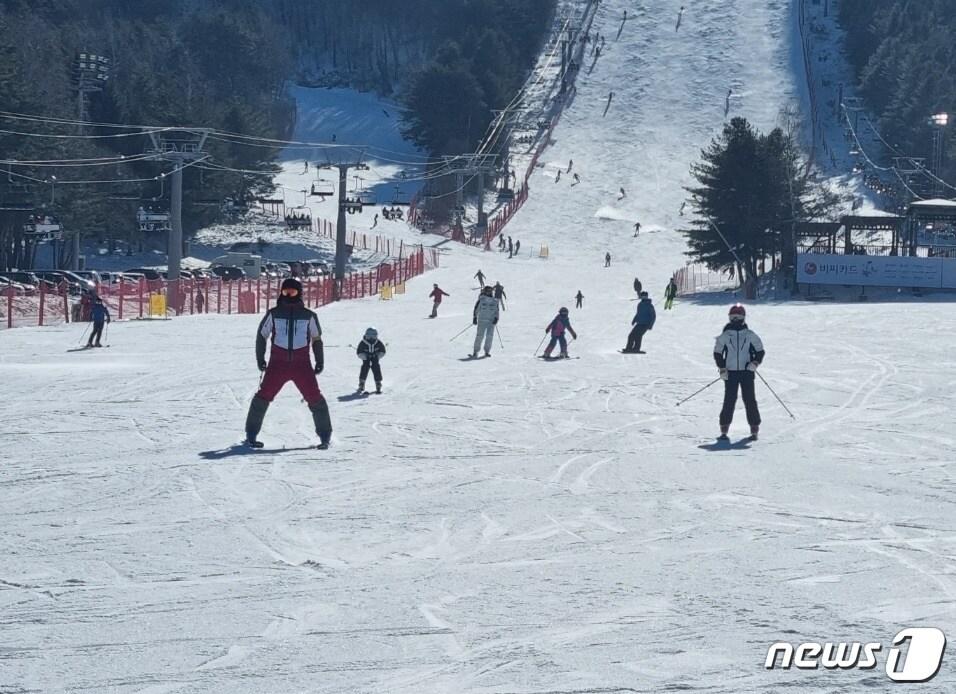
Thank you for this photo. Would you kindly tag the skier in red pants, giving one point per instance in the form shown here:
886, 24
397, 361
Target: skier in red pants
292, 329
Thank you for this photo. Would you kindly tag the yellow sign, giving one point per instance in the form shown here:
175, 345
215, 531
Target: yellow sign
157, 305
543, 253
400, 289
385, 292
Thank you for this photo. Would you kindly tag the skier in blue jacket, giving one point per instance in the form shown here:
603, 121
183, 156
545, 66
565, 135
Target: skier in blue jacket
557, 328
100, 315
643, 321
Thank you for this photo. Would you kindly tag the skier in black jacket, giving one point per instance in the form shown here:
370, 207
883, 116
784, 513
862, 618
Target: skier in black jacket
370, 350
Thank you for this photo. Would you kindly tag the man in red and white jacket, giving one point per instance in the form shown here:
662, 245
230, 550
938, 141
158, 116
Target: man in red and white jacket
293, 330
738, 352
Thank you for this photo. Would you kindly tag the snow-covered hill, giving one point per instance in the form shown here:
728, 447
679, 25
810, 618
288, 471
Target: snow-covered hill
505, 524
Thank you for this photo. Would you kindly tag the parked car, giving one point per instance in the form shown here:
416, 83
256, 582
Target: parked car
91, 275
183, 275
21, 289
228, 273
319, 268
76, 283
27, 278
148, 273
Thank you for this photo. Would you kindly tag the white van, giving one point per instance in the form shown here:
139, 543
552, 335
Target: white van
250, 264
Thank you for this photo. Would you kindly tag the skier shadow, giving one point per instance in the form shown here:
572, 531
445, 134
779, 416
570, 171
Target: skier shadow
742, 445
241, 450
352, 396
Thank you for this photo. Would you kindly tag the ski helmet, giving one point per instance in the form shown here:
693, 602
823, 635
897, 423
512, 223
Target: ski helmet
371, 334
738, 312
643, 295
487, 289
291, 291
563, 310
292, 283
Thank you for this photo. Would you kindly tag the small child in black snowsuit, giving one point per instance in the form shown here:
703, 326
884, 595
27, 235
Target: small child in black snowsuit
370, 350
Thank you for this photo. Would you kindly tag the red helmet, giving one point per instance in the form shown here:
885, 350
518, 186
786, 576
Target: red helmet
738, 312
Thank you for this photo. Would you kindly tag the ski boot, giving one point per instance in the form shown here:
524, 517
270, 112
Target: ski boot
723, 434
754, 430
257, 412
378, 387
323, 425
361, 387
565, 355
487, 354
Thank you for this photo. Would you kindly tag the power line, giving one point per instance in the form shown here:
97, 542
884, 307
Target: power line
76, 137
68, 163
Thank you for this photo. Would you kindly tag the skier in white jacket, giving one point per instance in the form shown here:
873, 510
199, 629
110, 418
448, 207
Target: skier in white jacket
738, 352
485, 316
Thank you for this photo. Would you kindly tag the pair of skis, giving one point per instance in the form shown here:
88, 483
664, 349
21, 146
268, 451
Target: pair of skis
259, 444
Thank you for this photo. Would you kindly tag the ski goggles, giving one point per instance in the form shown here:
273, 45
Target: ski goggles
290, 291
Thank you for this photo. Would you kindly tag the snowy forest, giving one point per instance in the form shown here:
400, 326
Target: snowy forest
903, 53
224, 65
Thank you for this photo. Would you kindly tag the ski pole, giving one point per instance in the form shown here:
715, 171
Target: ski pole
540, 343
697, 392
80, 341
775, 394
499, 337
467, 327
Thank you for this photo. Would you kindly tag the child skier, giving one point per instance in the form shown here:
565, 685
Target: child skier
579, 300
370, 350
557, 328
738, 352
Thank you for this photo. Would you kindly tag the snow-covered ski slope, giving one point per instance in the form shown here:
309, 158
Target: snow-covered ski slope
506, 524
346, 117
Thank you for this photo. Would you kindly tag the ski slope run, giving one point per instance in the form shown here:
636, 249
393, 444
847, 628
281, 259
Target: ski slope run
504, 524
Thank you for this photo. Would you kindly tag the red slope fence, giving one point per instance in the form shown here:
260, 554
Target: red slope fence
134, 299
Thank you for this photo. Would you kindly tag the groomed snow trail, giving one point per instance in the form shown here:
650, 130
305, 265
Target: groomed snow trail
506, 524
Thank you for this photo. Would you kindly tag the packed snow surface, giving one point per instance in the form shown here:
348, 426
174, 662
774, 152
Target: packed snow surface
503, 524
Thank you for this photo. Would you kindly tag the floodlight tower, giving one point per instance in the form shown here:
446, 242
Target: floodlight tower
939, 121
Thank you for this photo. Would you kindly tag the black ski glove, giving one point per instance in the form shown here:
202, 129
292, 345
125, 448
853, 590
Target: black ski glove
262, 365
318, 351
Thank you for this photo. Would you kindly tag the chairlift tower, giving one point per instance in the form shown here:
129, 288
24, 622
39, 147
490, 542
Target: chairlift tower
346, 159
91, 72
182, 147
475, 165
